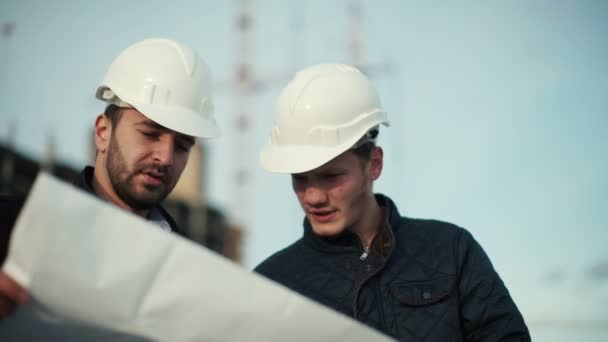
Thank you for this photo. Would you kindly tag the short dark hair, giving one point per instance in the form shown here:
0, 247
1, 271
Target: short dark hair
364, 152
114, 113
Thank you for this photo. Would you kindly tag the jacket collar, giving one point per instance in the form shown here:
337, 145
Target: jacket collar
393, 217
85, 180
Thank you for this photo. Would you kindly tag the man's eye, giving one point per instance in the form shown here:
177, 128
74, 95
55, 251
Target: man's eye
149, 134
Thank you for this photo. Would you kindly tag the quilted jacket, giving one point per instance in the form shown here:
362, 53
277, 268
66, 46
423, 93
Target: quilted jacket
422, 280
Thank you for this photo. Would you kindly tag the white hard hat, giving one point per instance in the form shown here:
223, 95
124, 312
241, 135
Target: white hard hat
325, 110
167, 82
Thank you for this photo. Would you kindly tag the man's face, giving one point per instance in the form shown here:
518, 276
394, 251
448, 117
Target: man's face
336, 195
144, 159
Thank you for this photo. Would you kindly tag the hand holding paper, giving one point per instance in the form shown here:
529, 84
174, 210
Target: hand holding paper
11, 294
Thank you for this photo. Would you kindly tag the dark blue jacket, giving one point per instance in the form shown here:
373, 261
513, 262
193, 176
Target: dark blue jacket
423, 280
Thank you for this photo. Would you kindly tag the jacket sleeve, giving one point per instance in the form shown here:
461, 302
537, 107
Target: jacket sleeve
488, 312
10, 206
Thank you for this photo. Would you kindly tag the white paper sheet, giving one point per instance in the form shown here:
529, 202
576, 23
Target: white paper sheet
98, 273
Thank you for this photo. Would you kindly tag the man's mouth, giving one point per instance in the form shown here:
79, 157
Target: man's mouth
153, 178
322, 216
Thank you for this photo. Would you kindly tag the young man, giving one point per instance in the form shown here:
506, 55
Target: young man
415, 280
158, 101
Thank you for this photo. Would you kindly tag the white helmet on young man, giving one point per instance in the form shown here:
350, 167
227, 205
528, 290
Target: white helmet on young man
167, 82
323, 111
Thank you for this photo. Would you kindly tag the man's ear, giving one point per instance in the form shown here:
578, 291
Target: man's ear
376, 161
103, 133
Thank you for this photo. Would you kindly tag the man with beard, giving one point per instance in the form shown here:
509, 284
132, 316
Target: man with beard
413, 279
158, 100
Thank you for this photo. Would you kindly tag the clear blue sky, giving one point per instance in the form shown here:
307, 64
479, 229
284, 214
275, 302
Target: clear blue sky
499, 116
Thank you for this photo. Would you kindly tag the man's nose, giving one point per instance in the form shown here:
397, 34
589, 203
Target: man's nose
315, 196
164, 152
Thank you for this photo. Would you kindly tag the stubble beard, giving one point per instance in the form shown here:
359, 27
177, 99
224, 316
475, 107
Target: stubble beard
123, 181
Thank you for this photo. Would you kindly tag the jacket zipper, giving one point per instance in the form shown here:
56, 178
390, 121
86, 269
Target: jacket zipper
362, 257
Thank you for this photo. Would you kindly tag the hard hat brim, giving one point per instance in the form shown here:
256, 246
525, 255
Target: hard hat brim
297, 159
303, 158
180, 120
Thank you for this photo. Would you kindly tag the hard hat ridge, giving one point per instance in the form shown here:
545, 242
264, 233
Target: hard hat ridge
166, 81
